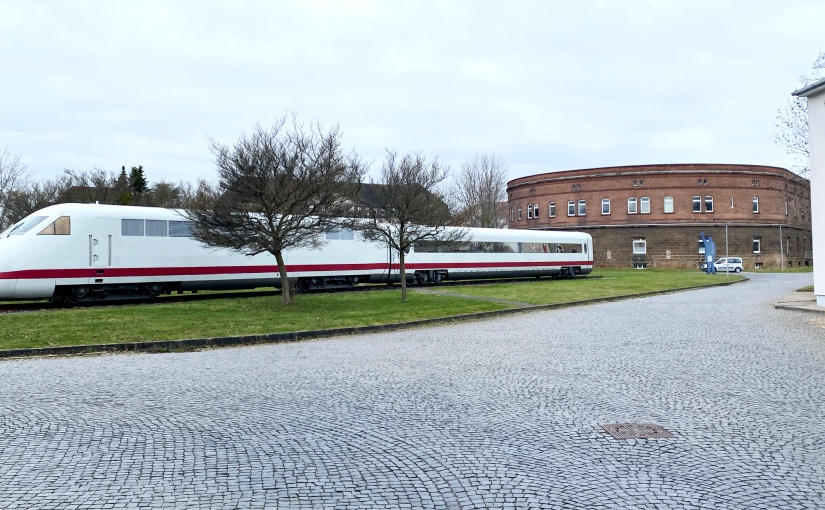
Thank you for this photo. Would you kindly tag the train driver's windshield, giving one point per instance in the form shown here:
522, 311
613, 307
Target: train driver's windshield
23, 226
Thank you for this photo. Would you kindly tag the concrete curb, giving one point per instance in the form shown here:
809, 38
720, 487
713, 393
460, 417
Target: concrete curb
295, 336
801, 301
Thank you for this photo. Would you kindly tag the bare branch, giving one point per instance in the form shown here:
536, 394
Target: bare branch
277, 189
406, 205
792, 123
13, 177
478, 189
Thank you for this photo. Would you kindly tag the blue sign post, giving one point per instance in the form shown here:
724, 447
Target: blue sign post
710, 253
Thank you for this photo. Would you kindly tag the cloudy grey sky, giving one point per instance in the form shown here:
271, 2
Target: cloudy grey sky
547, 85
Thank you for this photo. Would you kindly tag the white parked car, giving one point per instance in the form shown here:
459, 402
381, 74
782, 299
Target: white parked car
726, 264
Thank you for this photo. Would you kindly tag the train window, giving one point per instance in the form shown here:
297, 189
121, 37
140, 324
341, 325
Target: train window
131, 227
180, 228
464, 247
62, 226
156, 228
343, 234
26, 225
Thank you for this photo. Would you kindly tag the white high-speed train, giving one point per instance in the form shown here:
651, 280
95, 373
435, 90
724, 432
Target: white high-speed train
88, 252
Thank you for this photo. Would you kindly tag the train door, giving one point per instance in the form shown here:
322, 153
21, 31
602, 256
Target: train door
100, 249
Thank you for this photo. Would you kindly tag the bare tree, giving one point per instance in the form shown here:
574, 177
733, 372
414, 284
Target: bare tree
792, 122
33, 196
277, 189
166, 194
96, 185
13, 177
478, 189
406, 206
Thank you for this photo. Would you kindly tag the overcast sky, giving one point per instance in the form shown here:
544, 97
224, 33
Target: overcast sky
546, 85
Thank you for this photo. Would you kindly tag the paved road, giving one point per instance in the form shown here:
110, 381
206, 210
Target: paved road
502, 413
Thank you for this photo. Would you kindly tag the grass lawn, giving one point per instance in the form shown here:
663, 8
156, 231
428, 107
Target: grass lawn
266, 314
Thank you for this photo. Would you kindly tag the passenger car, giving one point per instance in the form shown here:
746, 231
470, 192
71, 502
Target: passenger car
726, 264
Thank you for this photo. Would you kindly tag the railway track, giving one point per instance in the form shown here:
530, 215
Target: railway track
30, 306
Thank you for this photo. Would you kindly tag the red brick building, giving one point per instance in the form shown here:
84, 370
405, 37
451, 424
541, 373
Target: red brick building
652, 215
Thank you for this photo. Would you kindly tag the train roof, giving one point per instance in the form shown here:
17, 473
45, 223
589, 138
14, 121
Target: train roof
473, 233
107, 210
516, 235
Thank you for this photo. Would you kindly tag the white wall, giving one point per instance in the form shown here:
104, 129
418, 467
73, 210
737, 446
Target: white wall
816, 137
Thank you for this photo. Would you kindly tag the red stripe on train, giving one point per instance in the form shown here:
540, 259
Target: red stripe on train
114, 272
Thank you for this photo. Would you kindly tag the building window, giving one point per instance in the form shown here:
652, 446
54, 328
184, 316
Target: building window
631, 205
756, 204
529, 211
635, 183
639, 247
511, 214
786, 207
552, 210
755, 182
535, 211
731, 202
669, 205
701, 182
708, 204
645, 205
582, 209
519, 213
571, 207
701, 247
642, 182
605, 206
757, 245
697, 204
575, 187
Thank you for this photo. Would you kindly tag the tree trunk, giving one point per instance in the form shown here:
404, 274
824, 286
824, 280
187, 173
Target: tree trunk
286, 292
403, 275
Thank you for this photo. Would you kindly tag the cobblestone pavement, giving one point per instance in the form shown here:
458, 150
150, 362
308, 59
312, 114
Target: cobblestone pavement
500, 413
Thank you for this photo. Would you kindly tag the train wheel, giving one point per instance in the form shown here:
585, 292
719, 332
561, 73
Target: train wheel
79, 292
74, 295
154, 289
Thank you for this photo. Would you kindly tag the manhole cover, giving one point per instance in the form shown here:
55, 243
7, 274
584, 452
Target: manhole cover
636, 430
